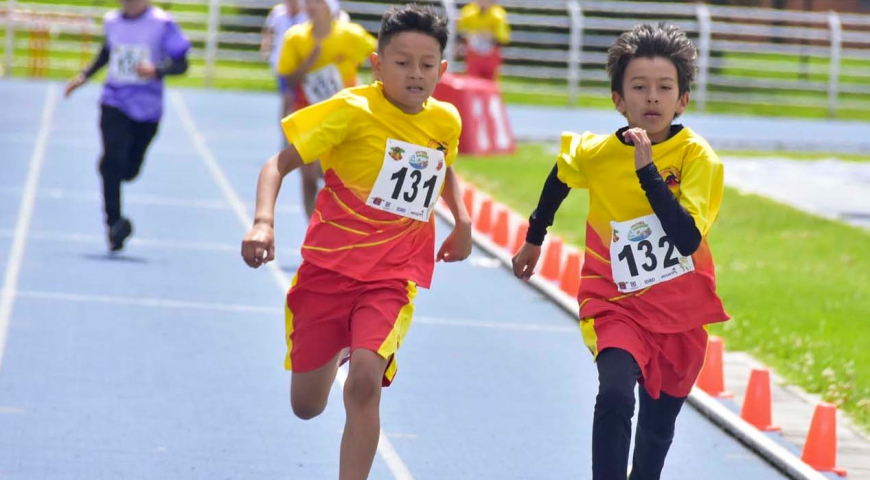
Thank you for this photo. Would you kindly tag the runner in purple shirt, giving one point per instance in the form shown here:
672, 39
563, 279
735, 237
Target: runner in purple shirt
143, 44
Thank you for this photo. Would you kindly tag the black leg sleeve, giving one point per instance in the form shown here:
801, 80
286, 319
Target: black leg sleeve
143, 134
117, 135
655, 433
611, 426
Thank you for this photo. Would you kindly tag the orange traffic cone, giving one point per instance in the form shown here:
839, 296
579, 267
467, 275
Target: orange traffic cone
820, 449
757, 404
500, 234
520, 235
712, 376
552, 259
468, 199
571, 276
483, 220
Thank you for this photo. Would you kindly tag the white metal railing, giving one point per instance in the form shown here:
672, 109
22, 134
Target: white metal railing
746, 55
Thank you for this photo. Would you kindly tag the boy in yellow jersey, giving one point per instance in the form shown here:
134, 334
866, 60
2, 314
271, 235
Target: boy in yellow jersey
484, 27
648, 283
319, 58
387, 150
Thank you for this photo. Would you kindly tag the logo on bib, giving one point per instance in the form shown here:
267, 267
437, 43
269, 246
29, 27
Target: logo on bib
419, 160
684, 264
671, 176
396, 153
378, 200
639, 231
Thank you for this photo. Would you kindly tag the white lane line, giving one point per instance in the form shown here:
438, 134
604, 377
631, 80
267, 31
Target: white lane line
155, 243
160, 302
385, 448
138, 199
25, 212
526, 327
151, 302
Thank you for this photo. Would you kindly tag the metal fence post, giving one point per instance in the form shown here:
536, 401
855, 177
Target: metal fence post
10, 36
836, 49
575, 50
705, 27
211, 40
450, 49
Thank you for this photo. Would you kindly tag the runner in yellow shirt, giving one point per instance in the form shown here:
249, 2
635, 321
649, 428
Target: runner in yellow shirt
387, 151
319, 58
648, 284
484, 27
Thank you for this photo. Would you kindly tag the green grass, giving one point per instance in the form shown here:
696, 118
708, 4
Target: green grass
797, 287
517, 91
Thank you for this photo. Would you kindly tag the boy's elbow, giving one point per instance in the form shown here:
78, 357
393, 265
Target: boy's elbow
689, 244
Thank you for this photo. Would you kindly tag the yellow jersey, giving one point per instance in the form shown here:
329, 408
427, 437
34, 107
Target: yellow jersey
342, 52
491, 23
358, 135
621, 230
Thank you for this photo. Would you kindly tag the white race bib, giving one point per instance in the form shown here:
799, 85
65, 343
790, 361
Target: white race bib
322, 84
123, 62
641, 255
410, 180
481, 44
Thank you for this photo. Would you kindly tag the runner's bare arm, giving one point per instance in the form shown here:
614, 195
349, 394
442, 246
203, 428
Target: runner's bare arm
295, 78
453, 198
269, 183
258, 246
457, 246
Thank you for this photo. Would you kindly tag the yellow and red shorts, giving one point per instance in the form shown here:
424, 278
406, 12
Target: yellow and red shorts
483, 65
326, 312
669, 362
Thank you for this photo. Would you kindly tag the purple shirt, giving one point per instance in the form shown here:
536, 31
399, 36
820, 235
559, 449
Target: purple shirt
152, 36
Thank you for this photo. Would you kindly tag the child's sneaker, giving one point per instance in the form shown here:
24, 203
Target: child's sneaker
118, 232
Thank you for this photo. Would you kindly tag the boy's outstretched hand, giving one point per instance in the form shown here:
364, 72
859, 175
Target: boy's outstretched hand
74, 84
642, 146
258, 247
525, 260
457, 245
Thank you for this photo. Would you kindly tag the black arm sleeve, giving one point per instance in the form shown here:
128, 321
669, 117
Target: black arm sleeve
173, 66
676, 221
552, 195
98, 63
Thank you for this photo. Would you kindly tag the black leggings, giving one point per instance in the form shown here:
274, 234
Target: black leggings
611, 426
124, 144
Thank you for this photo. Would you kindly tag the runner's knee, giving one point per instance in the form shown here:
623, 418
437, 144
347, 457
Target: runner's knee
307, 408
364, 380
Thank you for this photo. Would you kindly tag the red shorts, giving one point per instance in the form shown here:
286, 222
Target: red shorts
669, 362
326, 312
483, 66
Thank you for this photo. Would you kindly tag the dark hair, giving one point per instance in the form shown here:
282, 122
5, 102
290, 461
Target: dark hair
648, 41
412, 18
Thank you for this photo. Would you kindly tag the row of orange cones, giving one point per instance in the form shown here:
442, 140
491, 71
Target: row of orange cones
820, 448
495, 219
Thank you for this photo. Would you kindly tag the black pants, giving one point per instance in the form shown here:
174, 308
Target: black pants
124, 144
611, 426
